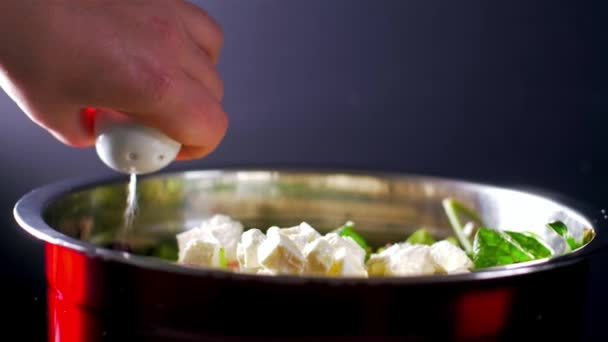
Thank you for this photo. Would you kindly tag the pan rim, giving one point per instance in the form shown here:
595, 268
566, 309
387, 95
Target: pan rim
28, 212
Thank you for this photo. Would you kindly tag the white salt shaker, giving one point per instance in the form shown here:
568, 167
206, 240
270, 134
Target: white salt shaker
128, 147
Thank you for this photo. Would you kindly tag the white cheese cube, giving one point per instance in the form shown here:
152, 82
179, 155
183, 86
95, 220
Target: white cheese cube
411, 260
279, 254
247, 250
219, 219
273, 230
346, 242
300, 234
402, 259
184, 238
203, 253
348, 256
449, 258
347, 264
392, 249
379, 263
219, 227
319, 256
227, 231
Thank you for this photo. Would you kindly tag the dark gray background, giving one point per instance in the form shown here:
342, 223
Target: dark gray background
512, 93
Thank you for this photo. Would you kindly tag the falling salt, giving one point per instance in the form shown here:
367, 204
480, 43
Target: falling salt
131, 202
130, 209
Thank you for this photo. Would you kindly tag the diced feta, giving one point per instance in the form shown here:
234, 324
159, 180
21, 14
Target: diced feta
319, 256
219, 219
227, 231
273, 230
184, 238
348, 256
379, 263
247, 250
302, 250
449, 258
347, 265
219, 230
402, 259
412, 260
347, 243
202, 252
279, 254
391, 250
300, 234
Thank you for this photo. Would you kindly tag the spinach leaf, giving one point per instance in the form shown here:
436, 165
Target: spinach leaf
531, 244
495, 248
562, 230
422, 237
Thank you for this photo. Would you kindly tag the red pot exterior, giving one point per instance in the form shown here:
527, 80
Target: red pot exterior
92, 299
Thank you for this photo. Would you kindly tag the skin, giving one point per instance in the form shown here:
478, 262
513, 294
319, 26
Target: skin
61, 61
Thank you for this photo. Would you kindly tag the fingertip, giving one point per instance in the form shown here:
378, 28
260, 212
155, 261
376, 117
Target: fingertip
74, 141
192, 152
187, 153
224, 123
77, 134
218, 131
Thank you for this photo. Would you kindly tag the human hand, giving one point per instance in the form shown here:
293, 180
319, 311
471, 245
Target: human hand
154, 61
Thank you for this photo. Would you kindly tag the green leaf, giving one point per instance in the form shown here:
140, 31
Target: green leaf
531, 244
222, 258
559, 227
348, 230
562, 230
495, 248
453, 209
421, 237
